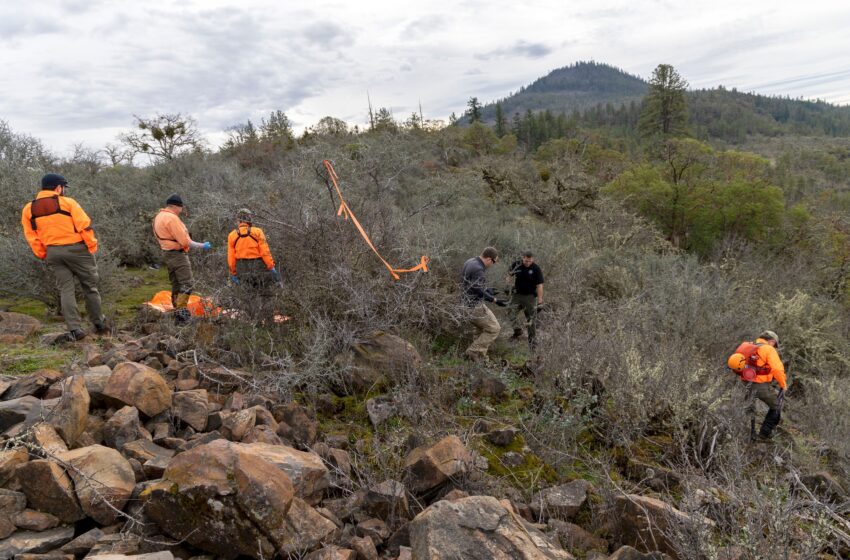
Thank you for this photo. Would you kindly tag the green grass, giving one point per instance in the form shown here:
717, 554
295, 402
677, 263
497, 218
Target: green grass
21, 359
138, 286
31, 307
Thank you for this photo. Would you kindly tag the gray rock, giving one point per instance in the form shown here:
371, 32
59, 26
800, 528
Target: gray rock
26, 542
380, 409
478, 527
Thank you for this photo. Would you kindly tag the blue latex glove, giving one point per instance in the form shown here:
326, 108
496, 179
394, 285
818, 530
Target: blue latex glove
234, 279
206, 246
275, 275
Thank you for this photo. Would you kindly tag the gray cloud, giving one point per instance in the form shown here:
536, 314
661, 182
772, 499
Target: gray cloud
520, 49
14, 24
422, 27
327, 34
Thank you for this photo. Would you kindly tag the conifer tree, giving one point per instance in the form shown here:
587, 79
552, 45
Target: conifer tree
501, 121
664, 112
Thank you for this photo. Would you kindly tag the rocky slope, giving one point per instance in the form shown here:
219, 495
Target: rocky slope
139, 451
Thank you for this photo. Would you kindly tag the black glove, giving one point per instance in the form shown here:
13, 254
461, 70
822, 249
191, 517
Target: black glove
500, 302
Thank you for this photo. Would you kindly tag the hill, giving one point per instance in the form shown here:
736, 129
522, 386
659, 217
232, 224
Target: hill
603, 96
578, 87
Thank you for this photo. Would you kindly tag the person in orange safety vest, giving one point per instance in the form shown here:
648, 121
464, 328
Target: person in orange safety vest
249, 259
59, 233
758, 363
175, 242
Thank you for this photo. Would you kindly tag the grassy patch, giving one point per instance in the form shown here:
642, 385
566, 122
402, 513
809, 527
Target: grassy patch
31, 307
138, 285
529, 475
21, 359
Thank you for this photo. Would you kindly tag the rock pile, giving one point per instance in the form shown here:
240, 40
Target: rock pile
138, 454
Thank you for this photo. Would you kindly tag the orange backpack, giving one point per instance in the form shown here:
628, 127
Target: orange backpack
745, 360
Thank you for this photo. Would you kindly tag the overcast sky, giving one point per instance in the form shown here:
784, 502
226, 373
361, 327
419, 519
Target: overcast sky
78, 70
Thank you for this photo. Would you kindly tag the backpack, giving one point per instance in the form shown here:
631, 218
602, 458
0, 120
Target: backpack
240, 236
47, 206
744, 361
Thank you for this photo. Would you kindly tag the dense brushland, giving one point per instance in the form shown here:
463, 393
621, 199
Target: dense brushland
661, 254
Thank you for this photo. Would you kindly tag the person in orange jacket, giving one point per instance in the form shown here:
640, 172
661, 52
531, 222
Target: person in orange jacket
249, 258
175, 242
248, 255
766, 367
59, 232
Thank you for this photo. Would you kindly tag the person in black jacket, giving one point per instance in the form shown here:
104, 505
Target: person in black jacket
527, 295
474, 292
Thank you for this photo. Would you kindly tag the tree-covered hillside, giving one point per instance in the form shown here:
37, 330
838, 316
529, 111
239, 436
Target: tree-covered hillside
600, 96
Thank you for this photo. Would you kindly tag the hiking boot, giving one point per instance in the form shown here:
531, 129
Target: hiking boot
101, 328
182, 316
760, 438
475, 357
71, 336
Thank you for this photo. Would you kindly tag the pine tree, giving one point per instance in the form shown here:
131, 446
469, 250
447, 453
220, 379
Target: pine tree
474, 109
664, 111
501, 121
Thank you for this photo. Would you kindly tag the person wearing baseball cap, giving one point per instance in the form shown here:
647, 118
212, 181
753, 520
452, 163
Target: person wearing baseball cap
59, 233
175, 242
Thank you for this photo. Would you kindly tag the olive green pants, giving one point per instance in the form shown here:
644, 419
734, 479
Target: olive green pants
525, 313
180, 275
486, 327
67, 262
766, 394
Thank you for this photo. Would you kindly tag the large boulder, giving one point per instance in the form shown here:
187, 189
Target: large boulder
28, 542
11, 504
16, 411
387, 501
97, 378
478, 527
71, 413
103, 481
296, 424
306, 529
191, 407
17, 324
11, 459
122, 427
380, 356
560, 502
308, 473
643, 520
428, 467
46, 439
49, 489
224, 500
140, 386
34, 385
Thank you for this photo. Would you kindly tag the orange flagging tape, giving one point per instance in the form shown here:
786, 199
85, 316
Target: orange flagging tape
346, 213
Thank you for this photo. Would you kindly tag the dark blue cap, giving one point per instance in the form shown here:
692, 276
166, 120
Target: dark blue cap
174, 200
53, 180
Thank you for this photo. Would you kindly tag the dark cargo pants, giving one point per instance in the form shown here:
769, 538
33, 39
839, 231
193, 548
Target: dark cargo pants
525, 305
180, 275
74, 261
766, 394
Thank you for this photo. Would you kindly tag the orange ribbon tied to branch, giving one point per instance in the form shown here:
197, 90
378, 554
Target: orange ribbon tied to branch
346, 213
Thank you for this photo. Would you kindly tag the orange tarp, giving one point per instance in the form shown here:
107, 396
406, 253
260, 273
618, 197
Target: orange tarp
197, 306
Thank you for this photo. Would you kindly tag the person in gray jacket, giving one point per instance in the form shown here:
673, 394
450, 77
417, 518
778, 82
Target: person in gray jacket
474, 292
